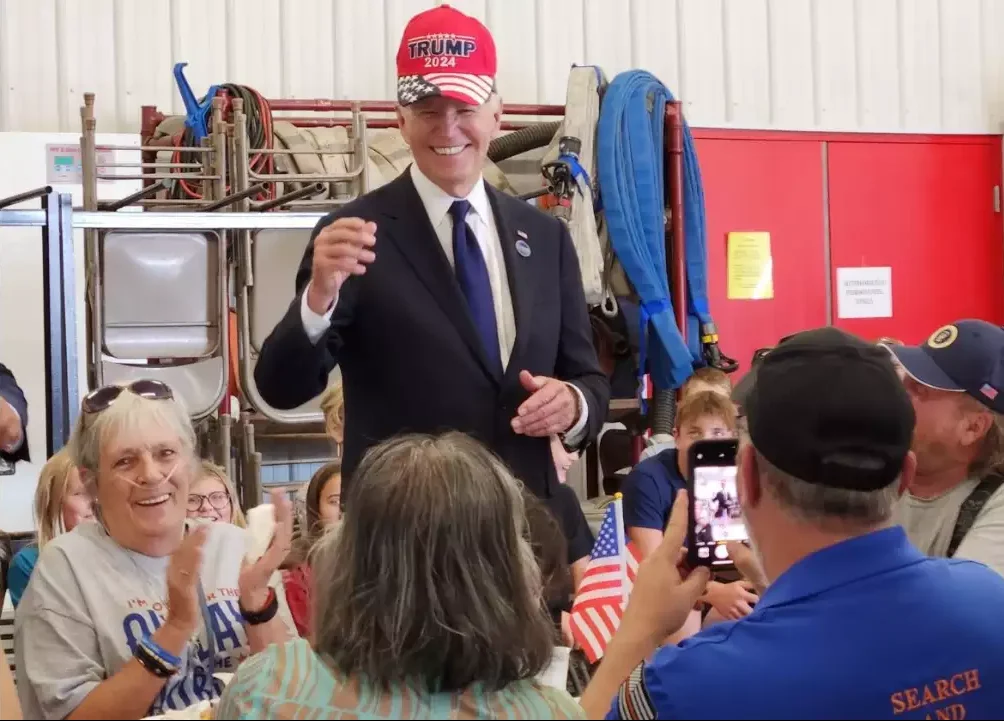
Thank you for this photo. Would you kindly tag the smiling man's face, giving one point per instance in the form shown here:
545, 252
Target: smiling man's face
449, 139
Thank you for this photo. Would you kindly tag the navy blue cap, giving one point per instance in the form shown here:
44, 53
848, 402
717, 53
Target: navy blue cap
966, 356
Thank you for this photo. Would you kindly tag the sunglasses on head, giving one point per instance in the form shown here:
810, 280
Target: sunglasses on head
100, 398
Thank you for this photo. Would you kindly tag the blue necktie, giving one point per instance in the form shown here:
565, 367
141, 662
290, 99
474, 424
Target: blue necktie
472, 274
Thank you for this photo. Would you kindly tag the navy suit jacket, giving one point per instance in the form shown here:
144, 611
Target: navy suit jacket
410, 356
12, 393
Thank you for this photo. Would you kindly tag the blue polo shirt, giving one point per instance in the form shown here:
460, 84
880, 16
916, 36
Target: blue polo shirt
868, 628
649, 491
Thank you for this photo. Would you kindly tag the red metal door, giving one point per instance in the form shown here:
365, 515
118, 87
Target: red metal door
770, 184
925, 208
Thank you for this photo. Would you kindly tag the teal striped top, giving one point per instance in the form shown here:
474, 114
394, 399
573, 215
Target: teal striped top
290, 681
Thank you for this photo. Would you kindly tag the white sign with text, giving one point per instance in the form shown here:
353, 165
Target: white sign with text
864, 292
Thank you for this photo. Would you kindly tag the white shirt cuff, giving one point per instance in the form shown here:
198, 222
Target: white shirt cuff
314, 325
574, 435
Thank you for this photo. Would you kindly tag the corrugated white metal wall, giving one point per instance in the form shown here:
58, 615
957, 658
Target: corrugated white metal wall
875, 65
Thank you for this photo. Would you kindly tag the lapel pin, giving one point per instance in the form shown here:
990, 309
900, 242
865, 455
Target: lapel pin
523, 248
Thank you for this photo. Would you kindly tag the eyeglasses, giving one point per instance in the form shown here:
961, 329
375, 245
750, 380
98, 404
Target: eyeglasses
100, 398
218, 500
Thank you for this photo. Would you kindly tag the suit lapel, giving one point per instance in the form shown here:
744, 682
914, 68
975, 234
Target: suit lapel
521, 273
417, 241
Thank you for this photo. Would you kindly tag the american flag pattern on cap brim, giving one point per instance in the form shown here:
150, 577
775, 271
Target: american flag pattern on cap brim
474, 88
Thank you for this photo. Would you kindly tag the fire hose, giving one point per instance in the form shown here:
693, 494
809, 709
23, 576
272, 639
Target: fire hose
631, 171
569, 171
520, 141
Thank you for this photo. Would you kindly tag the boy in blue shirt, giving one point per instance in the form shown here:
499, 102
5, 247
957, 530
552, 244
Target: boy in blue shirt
704, 380
652, 485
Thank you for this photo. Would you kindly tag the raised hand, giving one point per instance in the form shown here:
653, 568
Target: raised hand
342, 249
183, 612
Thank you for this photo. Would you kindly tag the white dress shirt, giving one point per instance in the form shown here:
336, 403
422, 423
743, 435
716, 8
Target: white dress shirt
481, 220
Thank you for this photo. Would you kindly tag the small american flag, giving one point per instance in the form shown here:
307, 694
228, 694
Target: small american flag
606, 585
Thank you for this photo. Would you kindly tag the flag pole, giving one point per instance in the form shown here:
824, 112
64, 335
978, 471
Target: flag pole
621, 543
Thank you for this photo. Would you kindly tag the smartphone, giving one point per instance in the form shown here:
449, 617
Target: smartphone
715, 516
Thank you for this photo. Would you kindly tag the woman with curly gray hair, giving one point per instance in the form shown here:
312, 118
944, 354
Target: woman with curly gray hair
428, 600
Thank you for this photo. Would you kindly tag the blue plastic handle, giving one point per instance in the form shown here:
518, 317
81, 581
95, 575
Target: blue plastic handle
196, 115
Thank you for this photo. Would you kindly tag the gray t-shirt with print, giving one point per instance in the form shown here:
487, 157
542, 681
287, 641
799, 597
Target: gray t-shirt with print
90, 602
930, 522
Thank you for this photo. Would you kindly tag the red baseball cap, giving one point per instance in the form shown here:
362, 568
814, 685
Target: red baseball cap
444, 52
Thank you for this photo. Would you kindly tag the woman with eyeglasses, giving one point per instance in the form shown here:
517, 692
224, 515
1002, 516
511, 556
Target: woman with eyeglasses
212, 497
132, 616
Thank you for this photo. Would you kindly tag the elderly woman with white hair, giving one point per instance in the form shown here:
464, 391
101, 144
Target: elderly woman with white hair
133, 615
427, 601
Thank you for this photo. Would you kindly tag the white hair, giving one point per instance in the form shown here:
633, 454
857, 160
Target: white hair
819, 504
133, 415
814, 502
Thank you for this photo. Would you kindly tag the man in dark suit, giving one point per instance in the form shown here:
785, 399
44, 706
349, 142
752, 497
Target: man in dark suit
13, 418
446, 304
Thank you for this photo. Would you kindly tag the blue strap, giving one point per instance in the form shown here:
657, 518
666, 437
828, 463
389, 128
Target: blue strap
630, 162
573, 162
576, 167
579, 172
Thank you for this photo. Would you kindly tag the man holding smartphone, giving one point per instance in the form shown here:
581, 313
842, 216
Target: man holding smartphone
856, 622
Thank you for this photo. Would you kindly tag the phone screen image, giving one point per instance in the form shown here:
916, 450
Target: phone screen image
717, 516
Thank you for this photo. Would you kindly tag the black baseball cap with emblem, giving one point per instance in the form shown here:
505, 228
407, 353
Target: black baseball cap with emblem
966, 356
828, 408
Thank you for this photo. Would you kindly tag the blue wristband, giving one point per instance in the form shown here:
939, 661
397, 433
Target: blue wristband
162, 654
